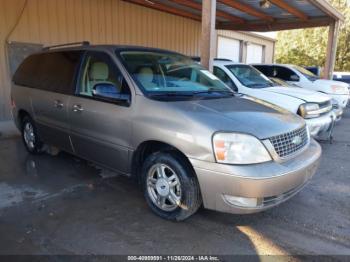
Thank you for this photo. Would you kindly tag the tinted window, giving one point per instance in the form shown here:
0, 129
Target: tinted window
99, 69
284, 73
50, 71
224, 78
266, 70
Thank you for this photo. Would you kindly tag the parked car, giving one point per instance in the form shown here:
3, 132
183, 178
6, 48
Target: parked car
314, 107
159, 116
337, 110
298, 75
316, 70
342, 77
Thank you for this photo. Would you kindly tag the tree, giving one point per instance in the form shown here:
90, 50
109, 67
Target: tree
307, 47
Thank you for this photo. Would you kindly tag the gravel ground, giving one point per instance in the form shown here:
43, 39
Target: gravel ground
63, 205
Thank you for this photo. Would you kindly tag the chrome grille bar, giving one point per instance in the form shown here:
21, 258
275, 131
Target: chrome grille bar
290, 143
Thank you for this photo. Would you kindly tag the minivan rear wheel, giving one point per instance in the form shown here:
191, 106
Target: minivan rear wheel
170, 186
30, 136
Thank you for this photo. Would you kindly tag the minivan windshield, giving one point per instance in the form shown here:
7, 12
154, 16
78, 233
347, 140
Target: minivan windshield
309, 75
249, 76
170, 74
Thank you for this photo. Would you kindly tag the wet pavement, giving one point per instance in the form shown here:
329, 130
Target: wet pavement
63, 205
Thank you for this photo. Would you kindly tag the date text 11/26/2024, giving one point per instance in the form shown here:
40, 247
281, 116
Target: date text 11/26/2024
173, 258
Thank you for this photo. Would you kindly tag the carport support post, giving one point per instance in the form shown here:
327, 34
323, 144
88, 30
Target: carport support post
331, 49
208, 38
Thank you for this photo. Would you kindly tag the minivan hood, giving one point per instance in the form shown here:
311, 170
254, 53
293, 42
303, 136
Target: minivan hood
251, 116
300, 93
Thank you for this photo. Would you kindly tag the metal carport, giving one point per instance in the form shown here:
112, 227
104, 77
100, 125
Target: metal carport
186, 26
253, 15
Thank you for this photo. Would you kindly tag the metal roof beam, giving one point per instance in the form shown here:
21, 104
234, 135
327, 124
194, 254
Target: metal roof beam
290, 9
247, 9
197, 6
280, 24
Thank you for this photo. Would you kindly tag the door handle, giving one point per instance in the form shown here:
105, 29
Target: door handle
77, 108
58, 104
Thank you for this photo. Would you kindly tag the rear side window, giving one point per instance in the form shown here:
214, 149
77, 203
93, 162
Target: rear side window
266, 70
53, 72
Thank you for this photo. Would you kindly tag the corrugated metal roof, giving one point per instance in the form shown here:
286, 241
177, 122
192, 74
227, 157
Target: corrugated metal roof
233, 11
314, 12
303, 5
181, 7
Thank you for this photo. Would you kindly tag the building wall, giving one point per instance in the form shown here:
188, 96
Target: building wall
98, 21
8, 12
51, 22
269, 44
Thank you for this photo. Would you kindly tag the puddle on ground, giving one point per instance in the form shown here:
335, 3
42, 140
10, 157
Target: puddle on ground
12, 195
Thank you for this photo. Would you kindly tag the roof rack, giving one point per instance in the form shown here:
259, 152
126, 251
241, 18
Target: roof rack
83, 43
196, 58
223, 59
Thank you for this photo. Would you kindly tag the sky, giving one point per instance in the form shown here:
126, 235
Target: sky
269, 34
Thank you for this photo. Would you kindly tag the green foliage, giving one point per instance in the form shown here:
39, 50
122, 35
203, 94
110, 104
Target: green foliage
307, 47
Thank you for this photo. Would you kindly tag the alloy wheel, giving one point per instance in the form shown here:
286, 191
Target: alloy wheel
29, 136
163, 187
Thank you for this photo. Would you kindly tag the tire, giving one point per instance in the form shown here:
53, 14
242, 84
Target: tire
178, 184
30, 136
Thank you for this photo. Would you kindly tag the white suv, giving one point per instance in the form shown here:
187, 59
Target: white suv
294, 74
314, 107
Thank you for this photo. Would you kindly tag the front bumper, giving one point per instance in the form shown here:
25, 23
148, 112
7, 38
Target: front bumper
338, 112
320, 125
341, 99
271, 182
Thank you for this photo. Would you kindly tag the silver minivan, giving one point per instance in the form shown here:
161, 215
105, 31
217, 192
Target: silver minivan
161, 117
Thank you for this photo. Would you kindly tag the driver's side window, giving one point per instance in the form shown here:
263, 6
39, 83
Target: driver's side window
285, 74
99, 69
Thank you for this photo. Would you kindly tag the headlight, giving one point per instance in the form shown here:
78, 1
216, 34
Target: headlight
309, 110
232, 148
338, 89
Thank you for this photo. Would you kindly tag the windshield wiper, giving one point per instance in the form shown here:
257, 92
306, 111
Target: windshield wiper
171, 94
259, 85
210, 91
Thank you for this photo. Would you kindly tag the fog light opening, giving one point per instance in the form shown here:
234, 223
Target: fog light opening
243, 201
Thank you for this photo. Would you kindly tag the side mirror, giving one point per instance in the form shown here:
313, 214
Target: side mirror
109, 93
294, 78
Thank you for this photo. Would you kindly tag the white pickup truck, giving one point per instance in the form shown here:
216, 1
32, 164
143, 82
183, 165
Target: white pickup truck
294, 74
314, 107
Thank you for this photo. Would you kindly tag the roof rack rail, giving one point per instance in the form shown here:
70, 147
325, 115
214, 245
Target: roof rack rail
83, 43
223, 59
196, 58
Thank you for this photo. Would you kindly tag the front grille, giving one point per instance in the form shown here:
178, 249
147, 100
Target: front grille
290, 143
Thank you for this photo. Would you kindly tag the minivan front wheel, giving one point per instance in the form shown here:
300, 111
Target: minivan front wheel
30, 136
170, 186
